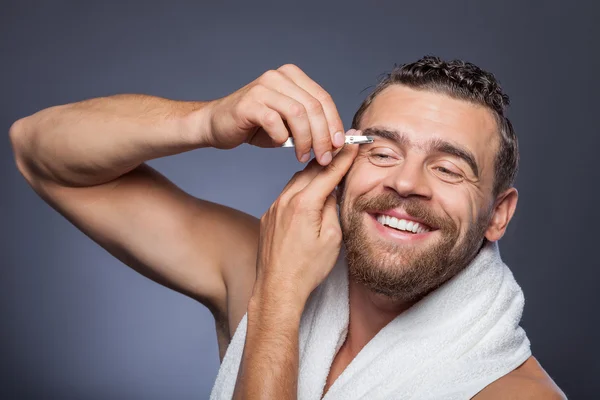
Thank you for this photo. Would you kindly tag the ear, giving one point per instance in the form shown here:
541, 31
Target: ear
505, 207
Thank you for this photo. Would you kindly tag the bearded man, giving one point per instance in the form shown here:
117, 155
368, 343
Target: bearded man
375, 274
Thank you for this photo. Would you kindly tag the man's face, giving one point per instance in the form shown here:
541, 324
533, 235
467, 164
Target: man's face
432, 162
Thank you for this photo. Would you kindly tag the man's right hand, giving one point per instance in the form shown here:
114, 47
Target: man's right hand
279, 104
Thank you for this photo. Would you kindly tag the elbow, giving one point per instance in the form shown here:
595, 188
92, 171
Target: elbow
16, 135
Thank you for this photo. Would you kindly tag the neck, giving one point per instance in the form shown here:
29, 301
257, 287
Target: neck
369, 313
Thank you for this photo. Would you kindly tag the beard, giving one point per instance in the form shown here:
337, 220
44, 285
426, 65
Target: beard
406, 272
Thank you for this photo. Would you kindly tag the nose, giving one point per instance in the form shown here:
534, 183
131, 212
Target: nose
409, 179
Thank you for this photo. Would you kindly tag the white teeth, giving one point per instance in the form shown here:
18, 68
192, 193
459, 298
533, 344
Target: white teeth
401, 224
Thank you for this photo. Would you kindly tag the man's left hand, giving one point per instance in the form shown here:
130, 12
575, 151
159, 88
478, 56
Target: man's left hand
300, 234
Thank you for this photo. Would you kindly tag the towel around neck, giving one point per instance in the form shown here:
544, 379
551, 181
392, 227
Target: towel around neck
450, 345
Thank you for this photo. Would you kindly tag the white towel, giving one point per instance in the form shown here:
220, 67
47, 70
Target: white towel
450, 345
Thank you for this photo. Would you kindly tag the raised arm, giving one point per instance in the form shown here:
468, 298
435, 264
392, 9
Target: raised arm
300, 239
87, 160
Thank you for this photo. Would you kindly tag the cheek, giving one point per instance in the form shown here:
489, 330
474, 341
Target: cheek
458, 204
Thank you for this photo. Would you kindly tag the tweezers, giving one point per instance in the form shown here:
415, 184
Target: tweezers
349, 140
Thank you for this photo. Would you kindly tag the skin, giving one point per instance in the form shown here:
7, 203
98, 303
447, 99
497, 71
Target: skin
414, 172
87, 160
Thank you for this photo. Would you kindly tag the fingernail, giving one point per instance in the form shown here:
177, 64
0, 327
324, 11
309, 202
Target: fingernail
338, 139
305, 157
336, 151
326, 158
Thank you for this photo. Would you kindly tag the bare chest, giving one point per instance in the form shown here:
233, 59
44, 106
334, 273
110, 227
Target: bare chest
339, 364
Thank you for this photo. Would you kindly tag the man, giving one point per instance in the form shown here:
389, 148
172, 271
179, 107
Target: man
444, 156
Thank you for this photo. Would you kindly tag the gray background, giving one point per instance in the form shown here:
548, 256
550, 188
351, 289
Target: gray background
76, 324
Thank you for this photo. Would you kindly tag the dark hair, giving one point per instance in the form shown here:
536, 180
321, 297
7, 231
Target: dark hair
465, 81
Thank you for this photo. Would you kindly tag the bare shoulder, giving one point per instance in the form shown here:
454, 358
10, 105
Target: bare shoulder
529, 381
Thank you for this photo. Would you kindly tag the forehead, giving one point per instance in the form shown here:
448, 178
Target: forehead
424, 115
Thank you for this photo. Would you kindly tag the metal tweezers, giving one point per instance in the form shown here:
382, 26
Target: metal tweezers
349, 140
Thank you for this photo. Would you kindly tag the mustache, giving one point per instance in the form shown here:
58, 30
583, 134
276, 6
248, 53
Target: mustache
412, 206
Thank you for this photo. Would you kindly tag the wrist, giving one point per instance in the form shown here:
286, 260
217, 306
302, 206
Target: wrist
274, 301
195, 124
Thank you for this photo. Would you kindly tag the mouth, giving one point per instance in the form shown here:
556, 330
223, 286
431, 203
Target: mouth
400, 226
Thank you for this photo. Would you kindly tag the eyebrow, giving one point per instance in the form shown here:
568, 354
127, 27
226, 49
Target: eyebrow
434, 145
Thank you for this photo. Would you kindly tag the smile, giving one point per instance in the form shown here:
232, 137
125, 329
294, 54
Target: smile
400, 228
402, 224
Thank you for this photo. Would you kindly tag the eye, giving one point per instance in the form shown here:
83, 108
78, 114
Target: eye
383, 157
448, 175
447, 171
380, 156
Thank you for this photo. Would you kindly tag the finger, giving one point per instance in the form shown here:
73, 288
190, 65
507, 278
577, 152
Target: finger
293, 112
303, 178
328, 178
330, 212
349, 133
335, 125
260, 115
312, 107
